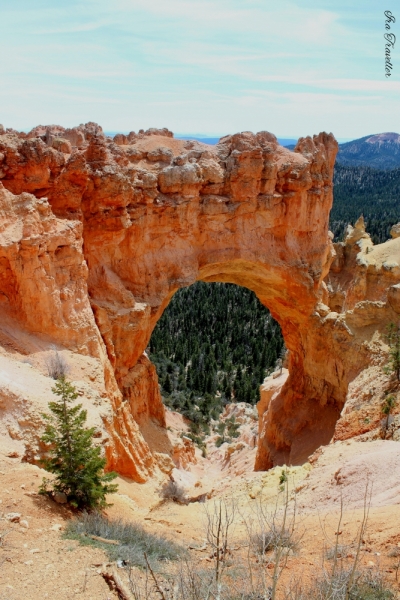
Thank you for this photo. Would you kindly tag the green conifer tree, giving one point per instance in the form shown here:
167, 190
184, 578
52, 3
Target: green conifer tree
233, 427
393, 338
387, 407
76, 462
167, 385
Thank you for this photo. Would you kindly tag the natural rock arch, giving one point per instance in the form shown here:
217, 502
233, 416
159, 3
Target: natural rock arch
157, 214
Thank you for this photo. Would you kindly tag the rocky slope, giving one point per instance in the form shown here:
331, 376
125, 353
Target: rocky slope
97, 235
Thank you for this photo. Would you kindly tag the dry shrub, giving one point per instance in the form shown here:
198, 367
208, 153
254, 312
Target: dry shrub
134, 540
273, 536
269, 539
339, 551
173, 491
57, 366
366, 585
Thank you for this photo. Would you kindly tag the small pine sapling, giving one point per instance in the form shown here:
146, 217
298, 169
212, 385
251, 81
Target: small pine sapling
393, 339
227, 430
73, 458
283, 476
221, 439
387, 406
233, 427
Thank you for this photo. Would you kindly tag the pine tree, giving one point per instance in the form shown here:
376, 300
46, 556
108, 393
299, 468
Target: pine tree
167, 385
233, 427
208, 387
76, 462
387, 407
393, 338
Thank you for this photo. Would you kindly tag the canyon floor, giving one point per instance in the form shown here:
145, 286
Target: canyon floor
36, 561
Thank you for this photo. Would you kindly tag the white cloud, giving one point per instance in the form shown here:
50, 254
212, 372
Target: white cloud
212, 65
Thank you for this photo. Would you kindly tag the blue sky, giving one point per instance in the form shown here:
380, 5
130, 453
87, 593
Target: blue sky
207, 66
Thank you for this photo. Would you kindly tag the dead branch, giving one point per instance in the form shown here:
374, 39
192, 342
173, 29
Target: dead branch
114, 581
159, 589
97, 538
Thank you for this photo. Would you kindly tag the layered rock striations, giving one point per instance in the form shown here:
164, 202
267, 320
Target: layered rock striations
142, 215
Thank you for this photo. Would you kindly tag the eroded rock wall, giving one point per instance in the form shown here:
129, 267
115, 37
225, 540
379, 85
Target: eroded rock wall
359, 298
43, 273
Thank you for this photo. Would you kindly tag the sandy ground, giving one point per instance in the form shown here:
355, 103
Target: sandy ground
36, 562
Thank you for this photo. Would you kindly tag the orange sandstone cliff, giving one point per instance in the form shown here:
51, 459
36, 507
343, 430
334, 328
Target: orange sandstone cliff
96, 235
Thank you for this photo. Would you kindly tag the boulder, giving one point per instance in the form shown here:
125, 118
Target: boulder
13, 517
395, 231
60, 498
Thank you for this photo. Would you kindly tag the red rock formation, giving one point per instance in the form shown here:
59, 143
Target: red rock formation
157, 214
43, 273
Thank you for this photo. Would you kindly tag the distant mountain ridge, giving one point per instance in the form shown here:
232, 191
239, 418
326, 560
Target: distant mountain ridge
379, 151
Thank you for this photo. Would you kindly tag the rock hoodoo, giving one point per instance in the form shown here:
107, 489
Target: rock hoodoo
96, 235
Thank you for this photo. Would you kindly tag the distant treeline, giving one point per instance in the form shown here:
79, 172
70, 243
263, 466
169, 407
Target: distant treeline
215, 342
373, 193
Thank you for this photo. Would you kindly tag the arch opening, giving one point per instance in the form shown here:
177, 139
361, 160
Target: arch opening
214, 344
296, 418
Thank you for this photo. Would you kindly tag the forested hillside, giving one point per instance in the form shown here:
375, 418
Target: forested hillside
373, 193
380, 151
214, 343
